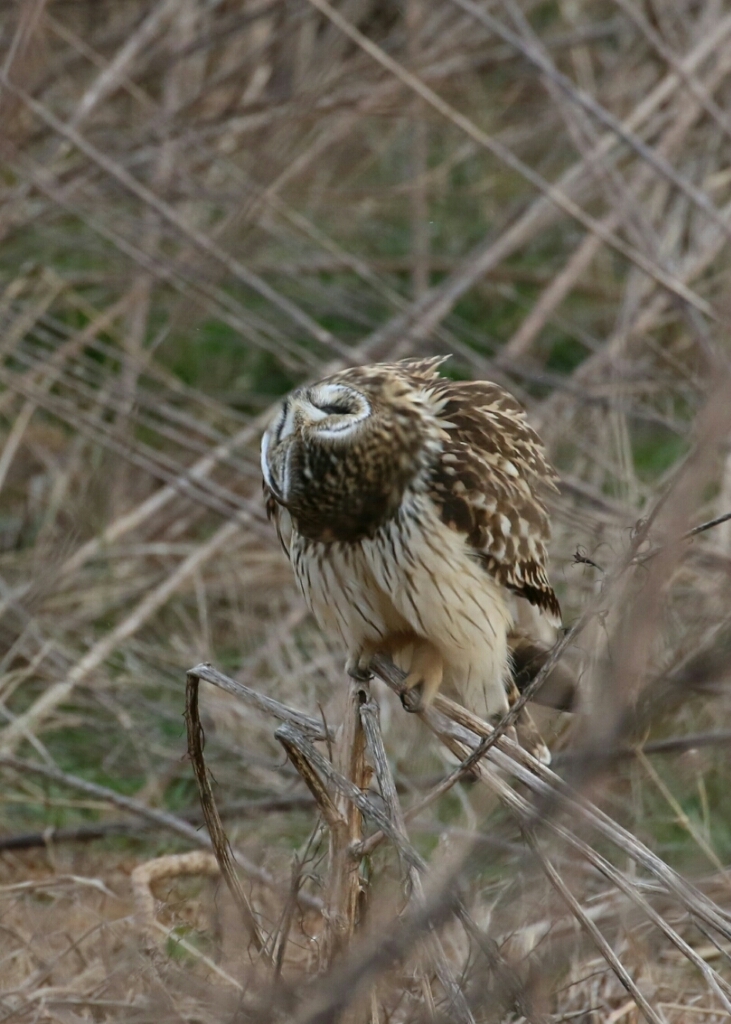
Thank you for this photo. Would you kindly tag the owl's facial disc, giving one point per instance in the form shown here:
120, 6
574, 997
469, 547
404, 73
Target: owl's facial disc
334, 411
323, 412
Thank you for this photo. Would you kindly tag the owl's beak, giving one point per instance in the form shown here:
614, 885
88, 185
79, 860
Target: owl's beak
274, 468
266, 469
287, 421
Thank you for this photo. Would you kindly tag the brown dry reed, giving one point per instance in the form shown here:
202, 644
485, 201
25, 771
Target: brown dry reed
204, 203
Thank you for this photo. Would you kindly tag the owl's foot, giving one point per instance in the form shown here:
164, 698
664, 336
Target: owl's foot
424, 676
358, 666
412, 700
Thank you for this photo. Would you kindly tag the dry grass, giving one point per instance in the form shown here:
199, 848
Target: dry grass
204, 203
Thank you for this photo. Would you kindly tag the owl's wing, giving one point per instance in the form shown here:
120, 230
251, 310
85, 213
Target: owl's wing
487, 483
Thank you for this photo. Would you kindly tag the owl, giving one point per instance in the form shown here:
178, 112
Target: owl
412, 510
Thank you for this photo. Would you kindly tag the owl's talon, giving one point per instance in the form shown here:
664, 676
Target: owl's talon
358, 668
412, 700
425, 683
420, 690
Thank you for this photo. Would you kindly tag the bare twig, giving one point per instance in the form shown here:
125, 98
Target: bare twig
312, 727
221, 847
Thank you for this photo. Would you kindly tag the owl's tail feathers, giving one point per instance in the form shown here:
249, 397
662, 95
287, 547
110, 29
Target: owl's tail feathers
560, 690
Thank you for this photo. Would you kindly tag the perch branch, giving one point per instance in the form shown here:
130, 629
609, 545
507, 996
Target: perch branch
310, 726
288, 735
458, 1008
344, 885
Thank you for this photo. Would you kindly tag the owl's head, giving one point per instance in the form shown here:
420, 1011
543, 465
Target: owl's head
340, 453
322, 417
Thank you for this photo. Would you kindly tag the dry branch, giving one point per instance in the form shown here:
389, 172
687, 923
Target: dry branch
464, 731
312, 727
457, 1007
344, 893
221, 847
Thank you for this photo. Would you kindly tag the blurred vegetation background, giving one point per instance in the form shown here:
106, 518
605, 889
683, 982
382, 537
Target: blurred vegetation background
206, 202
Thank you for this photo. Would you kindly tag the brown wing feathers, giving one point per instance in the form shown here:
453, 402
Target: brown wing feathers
486, 485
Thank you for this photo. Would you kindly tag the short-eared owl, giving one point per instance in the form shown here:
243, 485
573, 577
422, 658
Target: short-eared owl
411, 509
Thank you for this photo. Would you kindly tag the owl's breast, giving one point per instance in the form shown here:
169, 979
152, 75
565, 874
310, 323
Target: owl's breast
415, 578
343, 592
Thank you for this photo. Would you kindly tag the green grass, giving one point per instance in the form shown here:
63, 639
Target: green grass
655, 450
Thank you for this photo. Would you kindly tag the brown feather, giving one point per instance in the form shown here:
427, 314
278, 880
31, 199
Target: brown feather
487, 484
